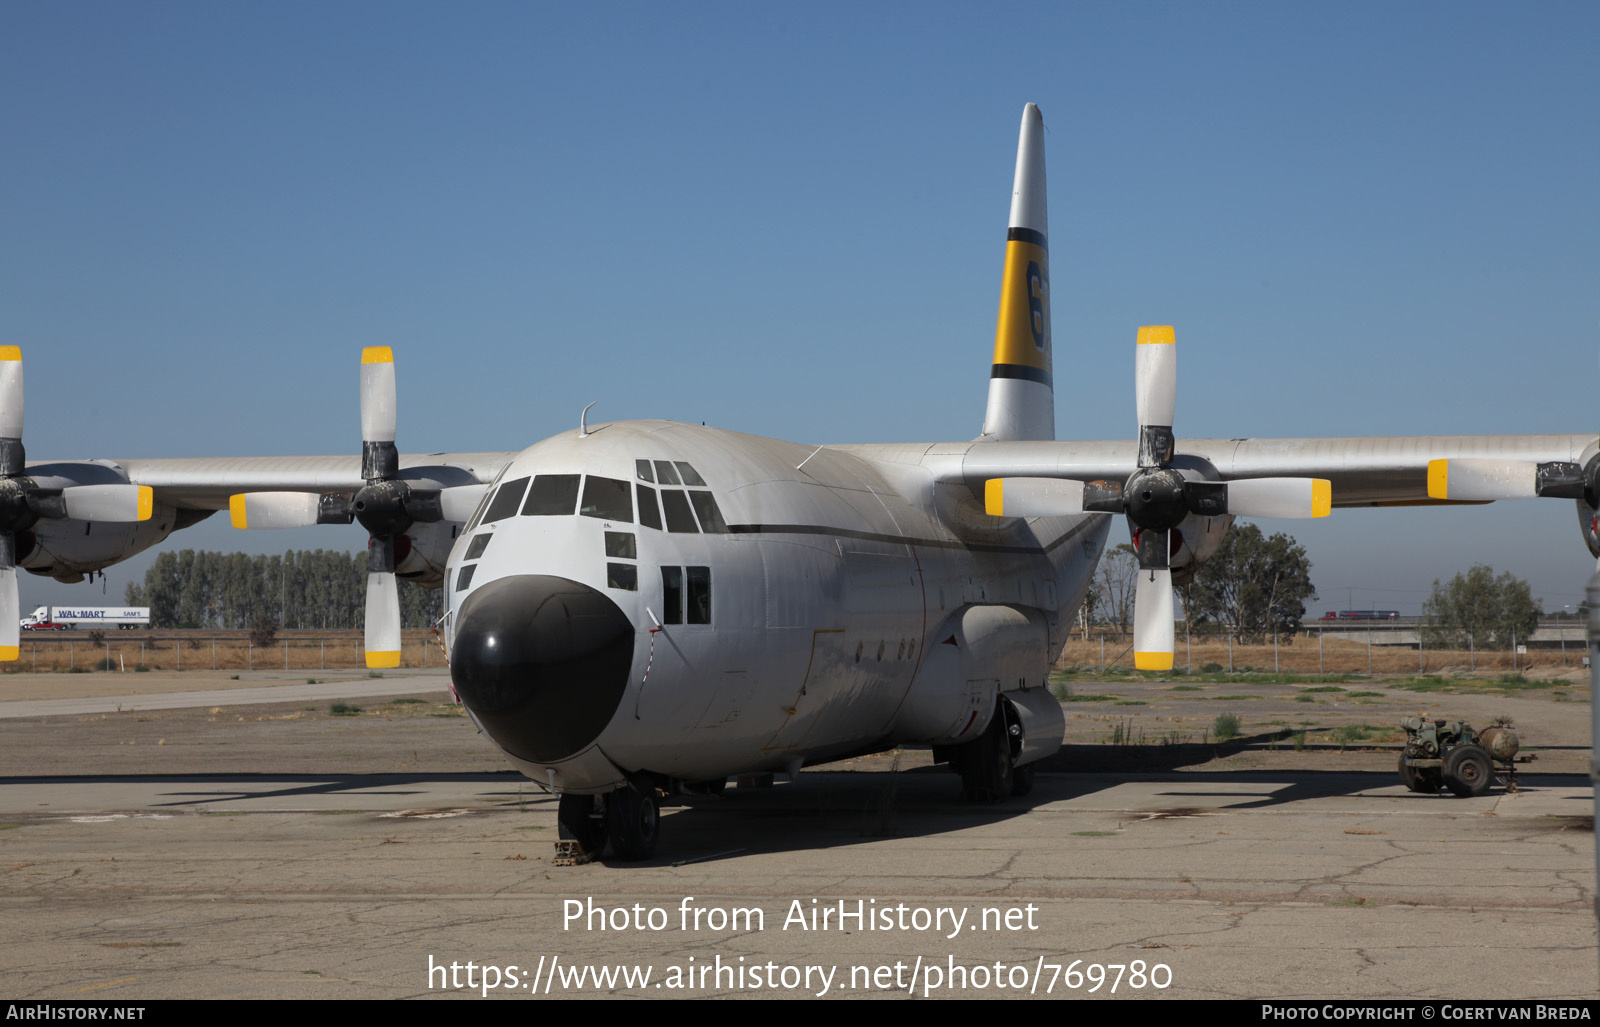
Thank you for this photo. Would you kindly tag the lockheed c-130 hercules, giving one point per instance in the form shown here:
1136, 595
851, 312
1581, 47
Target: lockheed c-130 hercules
643, 607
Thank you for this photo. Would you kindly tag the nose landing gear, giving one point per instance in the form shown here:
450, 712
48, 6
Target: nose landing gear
626, 818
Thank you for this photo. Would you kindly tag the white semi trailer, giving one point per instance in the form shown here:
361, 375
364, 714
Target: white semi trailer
61, 618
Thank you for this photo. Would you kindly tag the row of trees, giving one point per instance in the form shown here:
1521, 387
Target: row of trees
1480, 610
300, 589
1256, 586
1253, 586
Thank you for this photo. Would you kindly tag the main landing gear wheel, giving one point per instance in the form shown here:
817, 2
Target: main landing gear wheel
633, 821
578, 819
1022, 780
1467, 770
985, 764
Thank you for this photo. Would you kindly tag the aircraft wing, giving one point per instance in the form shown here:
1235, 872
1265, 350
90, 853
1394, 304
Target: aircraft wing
206, 483
1378, 471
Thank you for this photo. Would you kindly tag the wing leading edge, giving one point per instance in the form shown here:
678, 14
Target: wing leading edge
1373, 471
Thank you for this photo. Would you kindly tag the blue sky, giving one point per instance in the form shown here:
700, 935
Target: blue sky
1362, 218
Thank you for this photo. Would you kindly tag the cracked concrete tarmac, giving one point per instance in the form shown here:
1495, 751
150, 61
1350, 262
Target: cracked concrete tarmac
276, 851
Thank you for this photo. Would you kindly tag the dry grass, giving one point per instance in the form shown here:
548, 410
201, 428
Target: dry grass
69, 652
1334, 656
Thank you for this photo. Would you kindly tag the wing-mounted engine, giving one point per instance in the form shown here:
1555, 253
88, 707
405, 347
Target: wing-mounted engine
84, 494
1197, 536
1165, 490
410, 515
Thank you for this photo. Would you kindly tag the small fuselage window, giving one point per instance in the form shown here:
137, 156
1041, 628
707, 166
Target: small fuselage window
672, 595
698, 605
476, 547
686, 595
622, 575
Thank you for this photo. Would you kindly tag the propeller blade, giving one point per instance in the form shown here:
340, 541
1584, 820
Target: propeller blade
1469, 479
10, 612
1155, 392
12, 459
108, 502
383, 606
377, 394
274, 509
458, 502
11, 393
1280, 497
1153, 630
1032, 497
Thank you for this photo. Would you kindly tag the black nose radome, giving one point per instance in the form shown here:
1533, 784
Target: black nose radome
542, 662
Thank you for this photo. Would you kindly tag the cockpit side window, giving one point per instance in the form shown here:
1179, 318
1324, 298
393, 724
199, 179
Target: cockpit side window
483, 504
705, 507
679, 518
552, 495
506, 501
649, 512
607, 498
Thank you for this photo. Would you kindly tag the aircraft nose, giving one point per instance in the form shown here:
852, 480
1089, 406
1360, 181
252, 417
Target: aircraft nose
542, 662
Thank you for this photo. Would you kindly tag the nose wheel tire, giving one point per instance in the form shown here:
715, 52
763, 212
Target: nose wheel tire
578, 820
633, 822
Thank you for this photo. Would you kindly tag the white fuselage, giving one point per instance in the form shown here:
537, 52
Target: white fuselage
853, 602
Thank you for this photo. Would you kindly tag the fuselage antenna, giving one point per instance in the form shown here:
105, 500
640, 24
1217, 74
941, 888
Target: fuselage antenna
583, 421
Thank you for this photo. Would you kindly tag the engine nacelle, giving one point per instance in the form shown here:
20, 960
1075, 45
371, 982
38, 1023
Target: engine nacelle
1200, 538
67, 550
420, 553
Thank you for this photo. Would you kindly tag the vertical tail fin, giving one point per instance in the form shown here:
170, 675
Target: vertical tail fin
1021, 393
